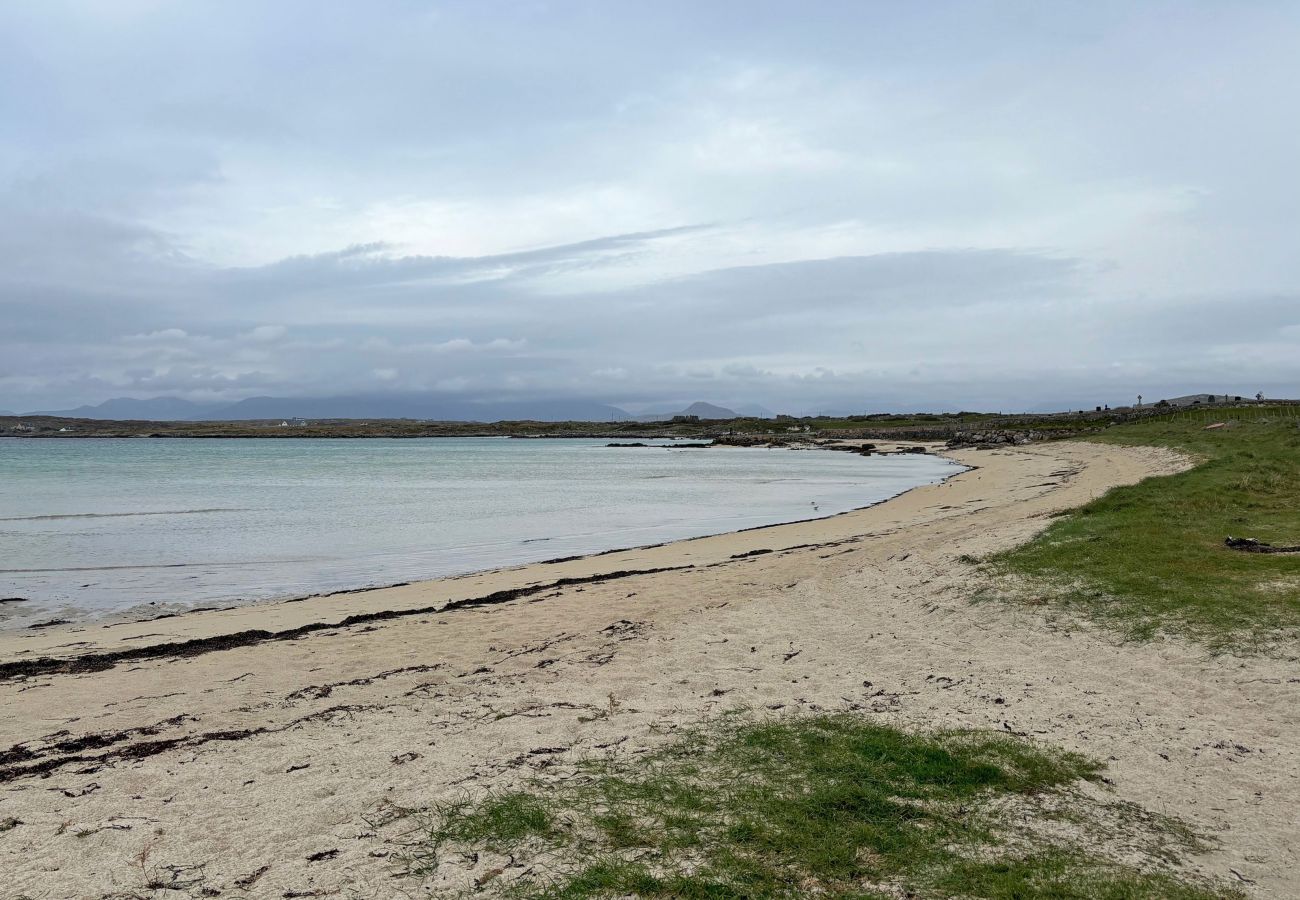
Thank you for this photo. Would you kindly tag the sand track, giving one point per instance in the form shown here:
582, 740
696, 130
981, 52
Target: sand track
267, 767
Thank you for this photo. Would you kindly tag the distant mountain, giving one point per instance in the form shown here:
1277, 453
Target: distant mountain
699, 408
156, 409
372, 406
756, 411
418, 406
709, 411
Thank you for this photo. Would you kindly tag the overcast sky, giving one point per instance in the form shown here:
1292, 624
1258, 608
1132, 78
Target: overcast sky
816, 205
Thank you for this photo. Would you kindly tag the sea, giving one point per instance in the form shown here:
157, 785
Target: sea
108, 528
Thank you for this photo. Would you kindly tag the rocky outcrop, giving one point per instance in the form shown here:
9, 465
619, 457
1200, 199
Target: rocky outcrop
998, 437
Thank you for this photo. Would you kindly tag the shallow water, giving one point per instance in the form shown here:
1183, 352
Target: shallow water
96, 527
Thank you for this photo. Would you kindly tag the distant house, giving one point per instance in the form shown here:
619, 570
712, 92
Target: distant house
685, 420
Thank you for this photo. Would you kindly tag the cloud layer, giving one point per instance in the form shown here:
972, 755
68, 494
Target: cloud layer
995, 205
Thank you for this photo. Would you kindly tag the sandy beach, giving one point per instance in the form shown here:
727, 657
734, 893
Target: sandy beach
268, 751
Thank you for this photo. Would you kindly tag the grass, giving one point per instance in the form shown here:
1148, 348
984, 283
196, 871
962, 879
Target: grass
831, 805
498, 821
1150, 558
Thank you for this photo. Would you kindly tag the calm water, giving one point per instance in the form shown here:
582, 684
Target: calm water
95, 527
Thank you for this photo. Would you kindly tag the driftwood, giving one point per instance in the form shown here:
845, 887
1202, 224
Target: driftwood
1250, 545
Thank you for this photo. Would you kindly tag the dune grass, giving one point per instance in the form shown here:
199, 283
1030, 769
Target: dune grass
829, 805
1150, 558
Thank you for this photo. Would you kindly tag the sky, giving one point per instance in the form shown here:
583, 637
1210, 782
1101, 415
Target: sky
819, 206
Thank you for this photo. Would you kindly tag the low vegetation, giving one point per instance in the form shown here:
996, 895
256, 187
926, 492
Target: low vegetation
1151, 558
822, 806
935, 426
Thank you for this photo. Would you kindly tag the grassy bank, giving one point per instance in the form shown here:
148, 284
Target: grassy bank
829, 806
1151, 557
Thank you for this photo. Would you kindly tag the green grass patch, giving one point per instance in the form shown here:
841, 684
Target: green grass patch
496, 821
1063, 876
1150, 558
831, 805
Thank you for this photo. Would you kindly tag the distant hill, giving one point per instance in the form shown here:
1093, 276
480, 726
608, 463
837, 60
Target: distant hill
1196, 399
387, 406
365, 406
699, 408
709, 411
419, 406
156, 409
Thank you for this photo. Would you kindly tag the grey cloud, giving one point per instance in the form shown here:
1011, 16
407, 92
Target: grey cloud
371, 265
932, 279
942, 204
803, 334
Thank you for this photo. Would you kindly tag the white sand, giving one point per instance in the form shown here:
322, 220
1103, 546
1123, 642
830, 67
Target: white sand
411, 710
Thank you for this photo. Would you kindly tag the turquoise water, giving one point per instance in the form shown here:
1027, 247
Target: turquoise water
90, 528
